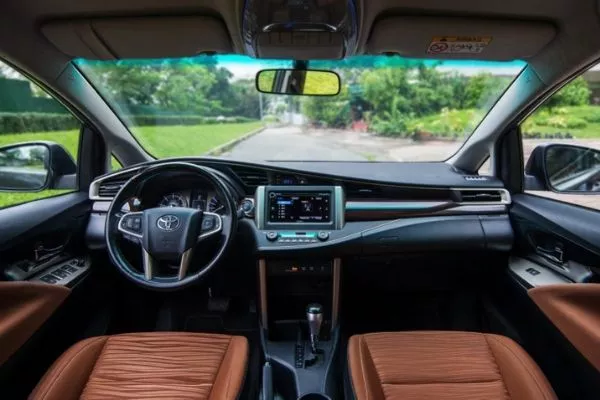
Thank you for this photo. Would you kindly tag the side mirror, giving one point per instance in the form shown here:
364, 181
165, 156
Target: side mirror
564, 168
299, 82
36, 166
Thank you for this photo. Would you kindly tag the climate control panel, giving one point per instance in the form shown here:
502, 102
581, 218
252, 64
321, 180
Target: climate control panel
286, 237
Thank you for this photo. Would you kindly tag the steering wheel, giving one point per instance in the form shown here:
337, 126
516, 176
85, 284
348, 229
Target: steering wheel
171, 234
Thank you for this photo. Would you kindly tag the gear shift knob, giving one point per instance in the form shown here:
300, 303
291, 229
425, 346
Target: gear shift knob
314, 316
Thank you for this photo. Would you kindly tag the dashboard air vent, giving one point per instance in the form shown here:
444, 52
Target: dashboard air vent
107, 188
251, 177
359, 191
110, 188
483, 196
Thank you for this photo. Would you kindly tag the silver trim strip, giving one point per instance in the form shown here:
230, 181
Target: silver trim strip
184, 265
148, 263
340, 207
259, 207
335, 303
262, 287
546, 276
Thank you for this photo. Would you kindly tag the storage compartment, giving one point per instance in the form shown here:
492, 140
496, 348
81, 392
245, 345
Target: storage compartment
291, 287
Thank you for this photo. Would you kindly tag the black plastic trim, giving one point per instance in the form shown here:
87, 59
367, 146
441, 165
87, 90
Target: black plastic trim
576, 224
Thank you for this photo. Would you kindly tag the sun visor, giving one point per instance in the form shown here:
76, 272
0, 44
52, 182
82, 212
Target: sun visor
459, 38
148, 37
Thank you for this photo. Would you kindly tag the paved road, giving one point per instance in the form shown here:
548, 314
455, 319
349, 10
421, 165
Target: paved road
291, 143
294, 143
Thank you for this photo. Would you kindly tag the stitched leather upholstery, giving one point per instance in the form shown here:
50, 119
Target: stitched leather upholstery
148, 366
443, 365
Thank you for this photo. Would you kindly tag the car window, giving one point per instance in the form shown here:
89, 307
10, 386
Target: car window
29, 114
569, 116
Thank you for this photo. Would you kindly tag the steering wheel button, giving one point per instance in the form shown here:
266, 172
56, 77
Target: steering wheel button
208, 223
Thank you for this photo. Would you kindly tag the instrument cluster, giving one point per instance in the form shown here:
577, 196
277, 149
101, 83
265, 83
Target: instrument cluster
197, 199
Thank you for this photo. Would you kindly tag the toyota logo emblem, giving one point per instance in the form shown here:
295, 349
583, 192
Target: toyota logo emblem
168, 223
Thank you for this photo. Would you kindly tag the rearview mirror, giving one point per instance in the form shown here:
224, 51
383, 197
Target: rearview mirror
35, 166
565, 168
298, 82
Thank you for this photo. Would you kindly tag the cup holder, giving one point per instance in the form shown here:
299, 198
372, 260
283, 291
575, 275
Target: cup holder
314, 396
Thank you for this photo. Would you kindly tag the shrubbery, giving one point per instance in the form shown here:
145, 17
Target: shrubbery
36, 122
44, 122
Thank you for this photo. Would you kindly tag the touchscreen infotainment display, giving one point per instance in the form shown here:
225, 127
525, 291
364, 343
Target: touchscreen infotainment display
299, 207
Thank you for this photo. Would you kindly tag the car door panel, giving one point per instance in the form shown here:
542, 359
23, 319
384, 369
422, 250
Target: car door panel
557, 236
25, 307
554, 264
67, 213
573, 309
560, 220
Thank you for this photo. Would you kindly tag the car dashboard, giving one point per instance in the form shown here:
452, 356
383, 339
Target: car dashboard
279, 205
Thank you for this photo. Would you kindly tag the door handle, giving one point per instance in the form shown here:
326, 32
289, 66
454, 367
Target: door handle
555, 255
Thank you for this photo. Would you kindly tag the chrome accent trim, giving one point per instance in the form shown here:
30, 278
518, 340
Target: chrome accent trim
168, 223
216, 229
259, 207
148, 263
184, 265
249, 214
262, 287
340, 207
67, 279
125, 231
504, 195
95, 185
100, 206
546, 276
335, 303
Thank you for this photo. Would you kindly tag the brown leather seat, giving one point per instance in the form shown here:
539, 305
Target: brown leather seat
443, 365
148, 365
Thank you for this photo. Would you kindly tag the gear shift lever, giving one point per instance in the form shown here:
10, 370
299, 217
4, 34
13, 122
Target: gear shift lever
314, 315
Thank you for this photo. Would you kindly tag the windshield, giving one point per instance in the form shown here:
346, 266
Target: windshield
388, 109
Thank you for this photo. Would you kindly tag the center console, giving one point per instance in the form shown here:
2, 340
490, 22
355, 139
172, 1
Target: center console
299, 297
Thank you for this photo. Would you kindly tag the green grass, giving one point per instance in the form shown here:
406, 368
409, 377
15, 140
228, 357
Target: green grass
69, 139
13, 198
160, 141
194, 140
583, 122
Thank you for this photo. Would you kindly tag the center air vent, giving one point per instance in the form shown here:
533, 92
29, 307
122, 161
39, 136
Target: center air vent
251, 177
483, 196
361, 191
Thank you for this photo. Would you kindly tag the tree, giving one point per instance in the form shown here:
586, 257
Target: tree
576, 93
333, 112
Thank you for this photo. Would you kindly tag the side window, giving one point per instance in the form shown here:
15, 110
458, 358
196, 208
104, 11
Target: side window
569, 117
28, 114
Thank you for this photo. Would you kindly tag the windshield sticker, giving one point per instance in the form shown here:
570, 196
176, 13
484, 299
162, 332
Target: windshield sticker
458, 44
